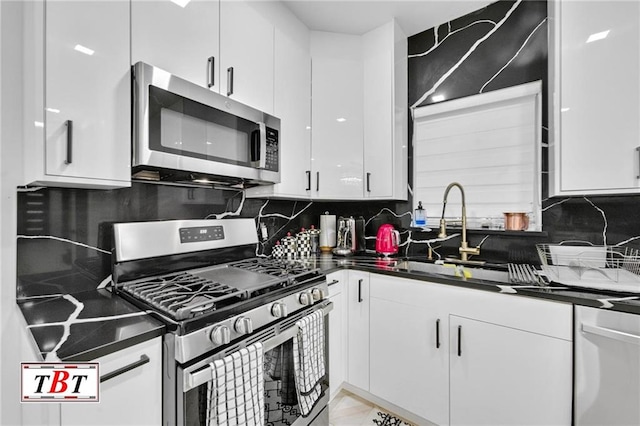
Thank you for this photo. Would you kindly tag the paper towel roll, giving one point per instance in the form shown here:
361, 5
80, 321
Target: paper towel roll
327, 232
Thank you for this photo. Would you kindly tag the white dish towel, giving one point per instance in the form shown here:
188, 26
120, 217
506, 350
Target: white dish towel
309, 360
236, 389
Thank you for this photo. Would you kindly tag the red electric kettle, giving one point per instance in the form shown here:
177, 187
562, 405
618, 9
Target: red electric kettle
387, 240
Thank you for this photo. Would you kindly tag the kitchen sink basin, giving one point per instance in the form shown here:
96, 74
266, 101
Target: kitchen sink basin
452, 270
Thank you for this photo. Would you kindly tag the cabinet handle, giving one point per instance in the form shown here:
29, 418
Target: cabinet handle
69, 158
638, 151
438, 333
308, 172
317, 181
143, 360
611, 334
459, 340
359, 291
211, 72
368, 182
229, 81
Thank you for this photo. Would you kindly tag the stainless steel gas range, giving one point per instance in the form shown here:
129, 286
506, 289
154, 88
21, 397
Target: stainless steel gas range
201, 277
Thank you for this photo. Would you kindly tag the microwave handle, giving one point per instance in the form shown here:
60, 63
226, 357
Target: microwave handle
259, 147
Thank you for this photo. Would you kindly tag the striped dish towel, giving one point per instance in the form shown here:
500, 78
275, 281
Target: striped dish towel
309, 360
236, 389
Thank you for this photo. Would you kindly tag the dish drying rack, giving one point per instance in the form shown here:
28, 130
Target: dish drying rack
592, 266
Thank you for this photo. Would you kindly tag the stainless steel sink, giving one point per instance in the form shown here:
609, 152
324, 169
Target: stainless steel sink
451, 270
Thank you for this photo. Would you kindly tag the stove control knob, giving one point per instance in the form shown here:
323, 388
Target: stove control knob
305, 298
243, 326
220, 335
318, 294
279, 310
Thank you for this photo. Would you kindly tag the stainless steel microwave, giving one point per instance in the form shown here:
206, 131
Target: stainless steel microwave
185, 133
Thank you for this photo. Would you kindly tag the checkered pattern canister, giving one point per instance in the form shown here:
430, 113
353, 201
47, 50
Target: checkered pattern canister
303, 240
289, 247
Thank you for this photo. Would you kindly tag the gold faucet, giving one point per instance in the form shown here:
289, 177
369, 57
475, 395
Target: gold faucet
464, 249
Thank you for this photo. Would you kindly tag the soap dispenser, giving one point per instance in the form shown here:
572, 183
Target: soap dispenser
420, 216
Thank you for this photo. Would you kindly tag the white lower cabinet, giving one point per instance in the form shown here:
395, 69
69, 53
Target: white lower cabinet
502, 375
131, 398
409, 346
455, 356
337, 332
358, 329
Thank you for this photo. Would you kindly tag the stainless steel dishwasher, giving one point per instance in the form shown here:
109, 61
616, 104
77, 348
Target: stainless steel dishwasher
607, 367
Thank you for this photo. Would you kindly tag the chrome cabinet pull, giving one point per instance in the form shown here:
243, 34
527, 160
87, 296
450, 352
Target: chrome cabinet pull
360, 291
611, 334
438, 333
229, 81
317, 181
308, 172
211, 73
143, 360
368, 182
69, 158
638, 151
459, 340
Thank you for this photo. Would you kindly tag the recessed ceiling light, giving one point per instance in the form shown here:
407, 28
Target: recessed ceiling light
564, 109
57, 111
38, 123
598, 36
82, 49
341, 120
181, 3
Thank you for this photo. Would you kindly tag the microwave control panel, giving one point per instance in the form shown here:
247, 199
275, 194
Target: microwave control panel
273, 155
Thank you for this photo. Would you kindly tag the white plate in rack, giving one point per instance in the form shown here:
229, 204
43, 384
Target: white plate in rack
608, 279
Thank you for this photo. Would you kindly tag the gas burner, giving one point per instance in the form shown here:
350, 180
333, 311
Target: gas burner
289, 269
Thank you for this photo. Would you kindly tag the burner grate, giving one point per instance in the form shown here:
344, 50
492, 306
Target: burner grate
182, 295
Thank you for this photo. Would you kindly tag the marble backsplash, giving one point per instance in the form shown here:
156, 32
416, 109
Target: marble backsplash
69, 231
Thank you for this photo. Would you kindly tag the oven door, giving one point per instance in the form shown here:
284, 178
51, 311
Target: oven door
281, 407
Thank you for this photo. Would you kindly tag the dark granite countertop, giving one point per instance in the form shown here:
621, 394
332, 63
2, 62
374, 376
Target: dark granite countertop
82, 323
623, 302
91, 322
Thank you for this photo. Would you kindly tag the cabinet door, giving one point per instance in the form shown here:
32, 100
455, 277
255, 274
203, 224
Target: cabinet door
597, 126
501, 375
385, 112
378, 111
358, 329
409, 346
336, 96
246, 51
177, 39
87, 91
131, 398
337, 333
292, 104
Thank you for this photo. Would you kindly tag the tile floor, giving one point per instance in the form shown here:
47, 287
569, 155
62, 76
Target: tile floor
347, 409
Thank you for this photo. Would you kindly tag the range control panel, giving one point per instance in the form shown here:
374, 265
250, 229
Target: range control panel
201, 233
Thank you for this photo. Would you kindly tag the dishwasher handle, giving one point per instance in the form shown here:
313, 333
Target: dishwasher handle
611, 334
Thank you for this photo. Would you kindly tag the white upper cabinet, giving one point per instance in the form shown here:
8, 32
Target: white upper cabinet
226, 46
246, 55
180, 40
78, 96
292, 104
385, 112
595, 97
337, 128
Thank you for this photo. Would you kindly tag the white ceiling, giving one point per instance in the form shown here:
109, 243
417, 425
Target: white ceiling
360, 16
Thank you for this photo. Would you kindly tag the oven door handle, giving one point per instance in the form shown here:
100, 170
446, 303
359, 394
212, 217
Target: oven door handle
202, 376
